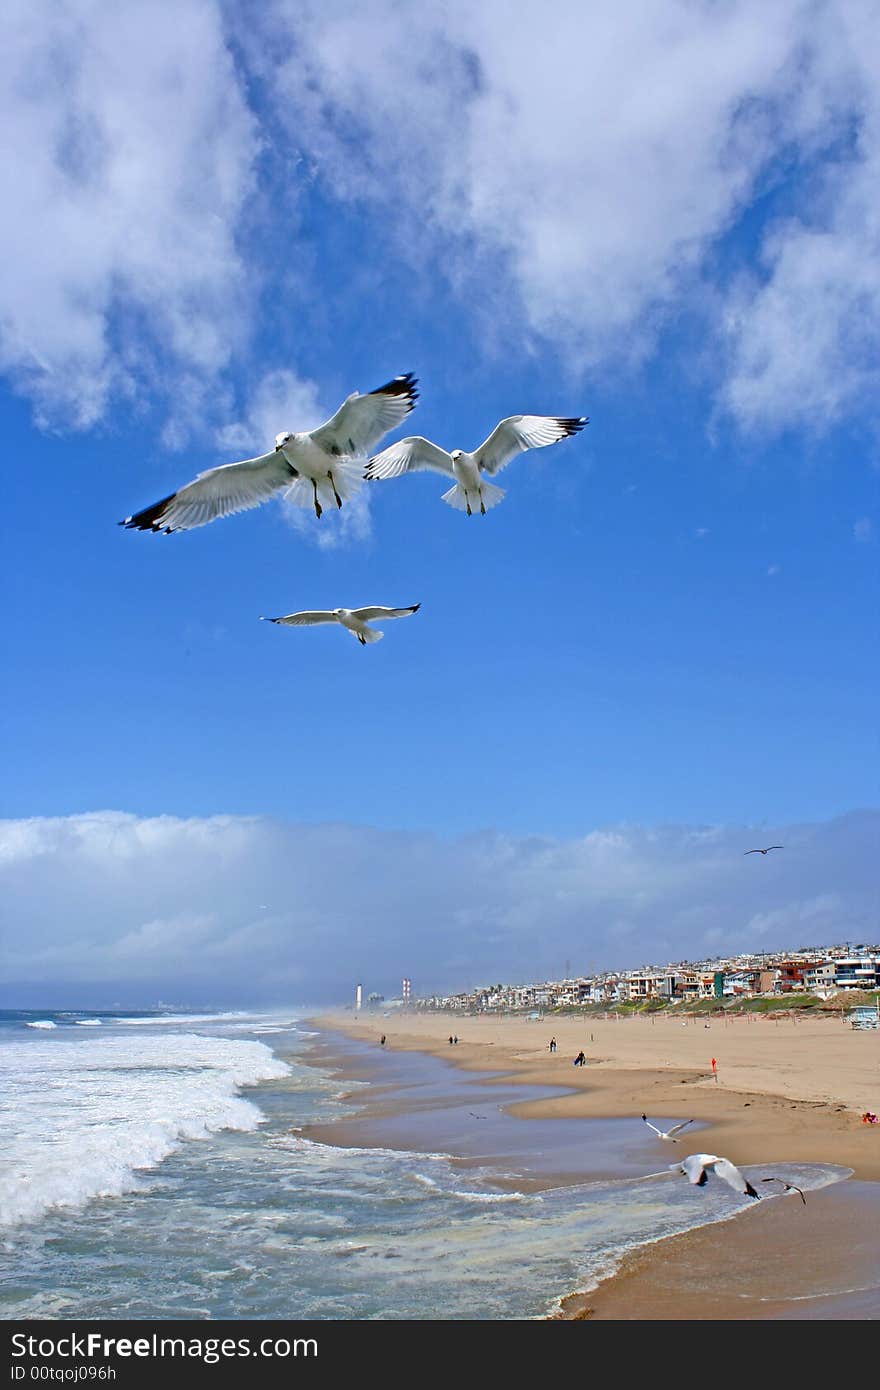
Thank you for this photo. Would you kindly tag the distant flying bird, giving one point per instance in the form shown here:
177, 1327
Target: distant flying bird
511, 437
667, 1134
355, 620
763, 851
325, 461
696, 1165
789, 1187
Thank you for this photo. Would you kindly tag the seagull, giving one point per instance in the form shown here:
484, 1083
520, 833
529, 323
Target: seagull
306, 464
356, 620
763, 851
695, 1165
509, 438
789, 1187
667, 1134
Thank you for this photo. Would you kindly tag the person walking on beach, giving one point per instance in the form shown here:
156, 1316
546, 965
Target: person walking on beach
450, 1039
382, 1040
580, 1060
714, 1068
552, 1044
455, 1039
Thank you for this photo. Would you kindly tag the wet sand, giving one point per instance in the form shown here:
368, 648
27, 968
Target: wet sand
786, 1092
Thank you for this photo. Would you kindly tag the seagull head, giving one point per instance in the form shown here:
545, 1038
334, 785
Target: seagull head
282, 439
456, 454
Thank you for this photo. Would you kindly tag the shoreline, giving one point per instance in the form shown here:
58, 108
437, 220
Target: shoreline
824, 1266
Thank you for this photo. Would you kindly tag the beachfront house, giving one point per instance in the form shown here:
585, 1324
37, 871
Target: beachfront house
819, 978
857, 972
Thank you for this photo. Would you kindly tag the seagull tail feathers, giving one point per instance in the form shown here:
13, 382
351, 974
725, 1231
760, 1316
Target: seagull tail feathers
369, 634
457, 498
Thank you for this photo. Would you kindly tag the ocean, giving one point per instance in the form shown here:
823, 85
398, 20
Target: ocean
154, 1166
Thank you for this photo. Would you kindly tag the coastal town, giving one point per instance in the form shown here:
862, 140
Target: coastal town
819, 972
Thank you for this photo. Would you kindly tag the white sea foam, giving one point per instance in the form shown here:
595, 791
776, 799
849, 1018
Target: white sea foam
490, 1198
175, 1020
87, 1022
41, 1023
92, 1113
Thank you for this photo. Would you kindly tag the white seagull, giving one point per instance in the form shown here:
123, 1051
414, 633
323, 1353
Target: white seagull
763, 851
695, 1166
471, 492
667, 1134
327, 461
355, 620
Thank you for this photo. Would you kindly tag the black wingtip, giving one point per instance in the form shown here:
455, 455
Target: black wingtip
645, 1118
750, 1191
150, 518
400, 386
416, 607
575, 423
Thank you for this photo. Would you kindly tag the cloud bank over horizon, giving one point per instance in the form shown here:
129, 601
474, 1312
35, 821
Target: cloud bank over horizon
586, 188
244, 910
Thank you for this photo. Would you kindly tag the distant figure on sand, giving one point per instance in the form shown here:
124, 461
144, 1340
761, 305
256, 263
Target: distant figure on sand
580, 1060
552, 1044
714, 1069
450, 1040
382, 1040
455, 1039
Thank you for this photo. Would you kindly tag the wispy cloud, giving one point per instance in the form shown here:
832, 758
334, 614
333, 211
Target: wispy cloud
571, 181
129, 155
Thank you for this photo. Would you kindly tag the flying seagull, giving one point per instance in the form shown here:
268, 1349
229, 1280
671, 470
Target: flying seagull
469, 471
667, 1134
789, 1187
325, 461
763, 851
695, 1166
356, 620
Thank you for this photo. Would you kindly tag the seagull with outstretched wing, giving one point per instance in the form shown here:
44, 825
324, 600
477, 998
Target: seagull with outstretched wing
763, 851
472, 492
789, 1187
695, 1167
354, 620
326, 462
668, 1134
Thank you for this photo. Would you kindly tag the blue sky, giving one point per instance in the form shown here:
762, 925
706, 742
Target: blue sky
671, 619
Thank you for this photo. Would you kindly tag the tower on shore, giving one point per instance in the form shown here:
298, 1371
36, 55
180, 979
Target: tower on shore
407, 991
359, 997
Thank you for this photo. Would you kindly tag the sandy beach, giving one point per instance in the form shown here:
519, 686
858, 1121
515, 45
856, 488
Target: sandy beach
785, 1091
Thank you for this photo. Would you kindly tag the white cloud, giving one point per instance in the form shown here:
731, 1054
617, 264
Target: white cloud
129, 155
280, 401
573, 179
806, 328
596, 161
239, 907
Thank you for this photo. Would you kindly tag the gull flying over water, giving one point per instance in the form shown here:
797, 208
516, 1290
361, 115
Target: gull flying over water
763, 851
695, 1167
355, 620
667, 1134
326, 462
789, 1187
469, 471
